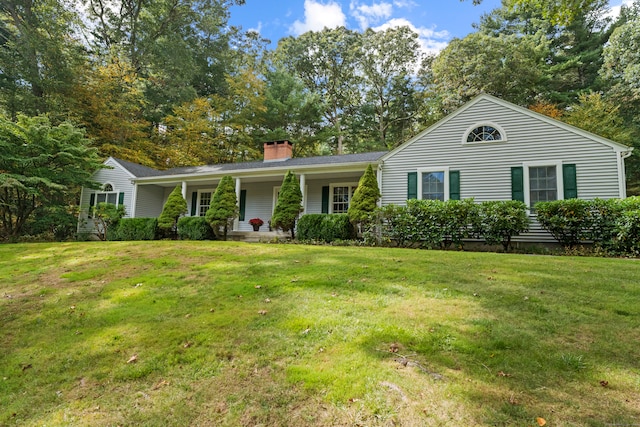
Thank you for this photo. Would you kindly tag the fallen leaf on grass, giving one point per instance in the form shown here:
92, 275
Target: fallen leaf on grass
25, 367
306, 331
133, 359
503, 374
187, 344
393, 348
160, 384
541, 421
604, 383
267, 300
257, 286
262, 312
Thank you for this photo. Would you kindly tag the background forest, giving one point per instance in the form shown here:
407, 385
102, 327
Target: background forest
169, 83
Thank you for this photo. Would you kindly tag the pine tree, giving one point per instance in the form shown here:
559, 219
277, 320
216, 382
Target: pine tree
175, 207
365, 198
289, 205
224, 207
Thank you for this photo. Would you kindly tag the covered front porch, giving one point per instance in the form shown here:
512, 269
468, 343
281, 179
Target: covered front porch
323, 192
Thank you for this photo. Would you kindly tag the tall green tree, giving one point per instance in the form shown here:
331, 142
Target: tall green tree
507, 66
179, 48
291, 112
41, 166
224, 207
388, 60
175, 207
288, 206
561, 12
41, 57
325, 62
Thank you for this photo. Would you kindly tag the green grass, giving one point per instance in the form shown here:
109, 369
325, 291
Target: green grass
351, 336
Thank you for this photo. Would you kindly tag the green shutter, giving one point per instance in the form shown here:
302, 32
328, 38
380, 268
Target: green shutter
243, 204
194, 203
454, 185
325, 199
570, 182
517, 183
412, 185
120, 199
92, 200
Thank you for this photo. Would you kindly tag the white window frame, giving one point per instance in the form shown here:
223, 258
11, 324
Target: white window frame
351, 185
198, 199
106, 193
496, 126
444, 169
537, 164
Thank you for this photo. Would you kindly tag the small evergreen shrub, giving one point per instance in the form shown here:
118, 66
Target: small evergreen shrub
605, 216
135, 229
194, 228
310, 227
569, 221
175, 207
629, 232
325, 227
337, 227
498, 221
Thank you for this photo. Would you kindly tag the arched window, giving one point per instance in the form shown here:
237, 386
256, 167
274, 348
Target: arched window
107, 188
484, 133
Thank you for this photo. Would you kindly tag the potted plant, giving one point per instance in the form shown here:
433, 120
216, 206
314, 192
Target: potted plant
256, 223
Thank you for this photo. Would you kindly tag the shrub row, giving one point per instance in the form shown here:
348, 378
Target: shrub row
325, 227
189, 228
134, 229
437, 224
194, 228
612, 225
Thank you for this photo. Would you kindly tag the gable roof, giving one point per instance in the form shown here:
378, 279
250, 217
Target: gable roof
139, 171
135, 169
485, 97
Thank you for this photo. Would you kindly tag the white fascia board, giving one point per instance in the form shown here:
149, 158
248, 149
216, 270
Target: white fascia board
106, 162
258, 172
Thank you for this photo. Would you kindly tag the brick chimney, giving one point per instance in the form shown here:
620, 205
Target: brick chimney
277, 151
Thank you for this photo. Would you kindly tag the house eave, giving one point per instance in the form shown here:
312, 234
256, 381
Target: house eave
265, 172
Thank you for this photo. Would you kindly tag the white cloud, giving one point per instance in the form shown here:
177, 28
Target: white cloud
431, 41
404, 3
366, 15
614, 12
318, 16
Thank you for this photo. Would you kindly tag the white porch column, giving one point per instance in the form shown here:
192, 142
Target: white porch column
379, 178
303, 181
236, 222
134, 200
184, 190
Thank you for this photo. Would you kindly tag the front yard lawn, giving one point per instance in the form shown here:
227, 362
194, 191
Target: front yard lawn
228, 334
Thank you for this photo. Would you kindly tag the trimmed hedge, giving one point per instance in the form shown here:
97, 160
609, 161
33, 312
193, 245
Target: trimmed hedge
325, 227
135, 229
194, 228
437, 224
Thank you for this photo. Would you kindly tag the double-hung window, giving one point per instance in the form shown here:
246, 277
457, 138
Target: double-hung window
543, 181
434, 183
341, 195
204, 201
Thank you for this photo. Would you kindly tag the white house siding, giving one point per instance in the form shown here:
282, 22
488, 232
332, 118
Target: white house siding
149, 201
485, 168
120, 179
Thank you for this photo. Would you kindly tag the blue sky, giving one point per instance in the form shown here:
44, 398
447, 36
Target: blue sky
437, 21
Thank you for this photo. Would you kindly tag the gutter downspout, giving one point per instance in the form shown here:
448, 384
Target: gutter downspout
622, 182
